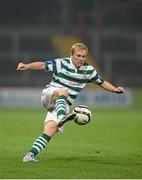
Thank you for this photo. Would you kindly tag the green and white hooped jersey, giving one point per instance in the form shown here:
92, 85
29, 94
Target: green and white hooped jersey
67, 75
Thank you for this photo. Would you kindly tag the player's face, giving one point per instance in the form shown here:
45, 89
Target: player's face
79, 57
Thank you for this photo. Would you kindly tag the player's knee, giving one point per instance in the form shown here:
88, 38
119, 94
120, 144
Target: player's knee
50, 125
63, 92
50, 128
56, 94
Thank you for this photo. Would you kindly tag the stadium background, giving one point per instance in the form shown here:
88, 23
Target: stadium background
32, 29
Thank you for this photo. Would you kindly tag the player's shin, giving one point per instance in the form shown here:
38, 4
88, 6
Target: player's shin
40, 143
60, 107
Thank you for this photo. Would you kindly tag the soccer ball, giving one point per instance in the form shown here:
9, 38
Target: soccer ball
83, 115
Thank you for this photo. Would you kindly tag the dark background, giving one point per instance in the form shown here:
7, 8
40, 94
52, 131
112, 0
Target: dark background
111, 29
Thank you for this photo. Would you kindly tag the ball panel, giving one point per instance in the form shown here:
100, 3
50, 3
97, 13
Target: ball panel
83, 114
81, 120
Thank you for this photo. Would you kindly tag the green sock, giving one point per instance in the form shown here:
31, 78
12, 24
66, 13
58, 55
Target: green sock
60, 106
40, 143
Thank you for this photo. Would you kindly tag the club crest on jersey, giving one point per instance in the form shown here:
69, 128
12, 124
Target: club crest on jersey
51, 61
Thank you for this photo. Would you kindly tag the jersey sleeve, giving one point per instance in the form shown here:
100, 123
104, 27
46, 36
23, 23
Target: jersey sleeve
96, 78
50, 64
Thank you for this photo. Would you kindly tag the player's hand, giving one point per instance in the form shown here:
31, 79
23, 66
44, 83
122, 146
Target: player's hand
120, 90
21, 67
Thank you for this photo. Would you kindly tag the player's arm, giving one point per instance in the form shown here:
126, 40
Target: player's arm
34, 66
109, 87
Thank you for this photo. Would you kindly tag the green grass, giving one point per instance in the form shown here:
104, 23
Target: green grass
109, 147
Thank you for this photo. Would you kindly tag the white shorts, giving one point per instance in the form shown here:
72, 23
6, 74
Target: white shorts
46, 101
46, 97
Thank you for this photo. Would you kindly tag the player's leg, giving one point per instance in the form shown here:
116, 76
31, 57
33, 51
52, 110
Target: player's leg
41, 142
55, 98
51, 122
50, 128
58, 101
61, 106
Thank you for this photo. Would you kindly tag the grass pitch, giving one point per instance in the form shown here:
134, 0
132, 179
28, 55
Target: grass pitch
109, 147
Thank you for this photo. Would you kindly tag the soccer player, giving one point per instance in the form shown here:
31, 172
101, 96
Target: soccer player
70, 75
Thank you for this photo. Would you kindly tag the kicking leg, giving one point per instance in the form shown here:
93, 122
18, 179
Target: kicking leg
61, 107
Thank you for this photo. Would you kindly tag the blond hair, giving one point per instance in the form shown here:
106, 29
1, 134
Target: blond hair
78, 46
